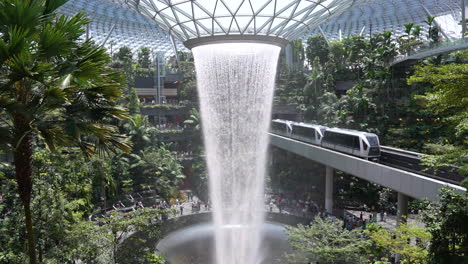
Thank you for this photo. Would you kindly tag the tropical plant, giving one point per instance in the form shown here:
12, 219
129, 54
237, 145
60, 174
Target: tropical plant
326, 241
408, 241
54, 88
139, 131
144, 60
317, 46
123, 60
446, 96
446, 222
133, 102
158, 169
433, 32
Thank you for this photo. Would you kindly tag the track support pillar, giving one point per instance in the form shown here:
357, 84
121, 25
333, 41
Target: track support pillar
402, 209
329, 171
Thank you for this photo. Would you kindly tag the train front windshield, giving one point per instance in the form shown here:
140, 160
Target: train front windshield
373, 141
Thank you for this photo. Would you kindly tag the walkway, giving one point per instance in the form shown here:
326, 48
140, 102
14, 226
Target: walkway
390, 221
443, 47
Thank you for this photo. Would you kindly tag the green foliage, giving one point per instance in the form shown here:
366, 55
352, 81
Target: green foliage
317, 46
120, 227
446, 97
56, 89
164, 106
144, 60
188, 86
155, 259
446, 222
139, 132
161, 169
123, 60
326, 241
409, 241
133, 103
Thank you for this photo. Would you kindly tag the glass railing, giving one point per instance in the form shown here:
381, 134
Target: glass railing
434, 48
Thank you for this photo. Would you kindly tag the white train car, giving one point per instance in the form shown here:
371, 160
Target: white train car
309, 133
281, 127
356, 143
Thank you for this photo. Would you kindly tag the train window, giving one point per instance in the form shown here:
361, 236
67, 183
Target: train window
303, 131
373, 140
364, 145
349, 141
356, 142
342, 139
330, 137
278, 126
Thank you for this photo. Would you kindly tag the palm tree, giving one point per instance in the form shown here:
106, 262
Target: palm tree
433, 32
417, 32
54, 90
194, 119
139, 131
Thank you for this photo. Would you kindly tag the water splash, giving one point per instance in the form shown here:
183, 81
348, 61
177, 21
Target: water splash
235, 85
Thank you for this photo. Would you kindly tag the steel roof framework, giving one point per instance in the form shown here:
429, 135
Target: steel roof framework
290, 19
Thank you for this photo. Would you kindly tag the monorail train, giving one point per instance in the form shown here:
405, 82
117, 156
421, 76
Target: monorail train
356, 143
281, 127
309, 133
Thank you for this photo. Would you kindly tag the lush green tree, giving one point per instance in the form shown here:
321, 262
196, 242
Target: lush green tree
144, 60
133, 103
358, 109
433, 31
317, 46
446, 97
121, 228
409, 40
158, 169
55, 87
123, 60
356, 48
326, 241
289, 87
104, 183
188, 86
446, 221
139, 131
61, 198
408, 241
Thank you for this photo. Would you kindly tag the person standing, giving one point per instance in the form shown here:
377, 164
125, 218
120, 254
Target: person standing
181, 207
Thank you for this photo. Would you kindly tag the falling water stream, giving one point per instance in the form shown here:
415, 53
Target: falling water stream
235, 84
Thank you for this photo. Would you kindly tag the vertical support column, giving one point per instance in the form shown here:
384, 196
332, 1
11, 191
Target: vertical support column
88, 33
329, 189
402, 208
463, 23
288, 50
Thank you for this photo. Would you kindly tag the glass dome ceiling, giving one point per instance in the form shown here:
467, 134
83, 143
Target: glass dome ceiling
365, 17
286, 19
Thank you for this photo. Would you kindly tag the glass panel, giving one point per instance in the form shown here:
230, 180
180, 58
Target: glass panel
373, 140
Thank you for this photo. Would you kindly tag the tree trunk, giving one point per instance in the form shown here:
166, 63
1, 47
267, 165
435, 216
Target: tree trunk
23, 173
29, 228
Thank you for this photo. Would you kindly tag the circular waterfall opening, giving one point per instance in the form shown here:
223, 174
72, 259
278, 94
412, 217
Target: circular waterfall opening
195, 244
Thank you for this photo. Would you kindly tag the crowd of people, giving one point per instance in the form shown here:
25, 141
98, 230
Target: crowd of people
301, 205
